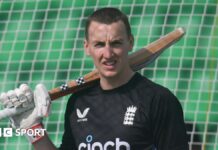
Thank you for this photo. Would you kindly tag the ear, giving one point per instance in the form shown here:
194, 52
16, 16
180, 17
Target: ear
86, 47
131, 42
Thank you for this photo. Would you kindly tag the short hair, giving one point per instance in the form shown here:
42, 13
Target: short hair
108, 15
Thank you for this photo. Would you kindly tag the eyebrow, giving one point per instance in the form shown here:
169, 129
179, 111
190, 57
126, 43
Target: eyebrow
118, 39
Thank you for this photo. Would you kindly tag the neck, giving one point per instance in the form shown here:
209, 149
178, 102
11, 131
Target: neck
116, 81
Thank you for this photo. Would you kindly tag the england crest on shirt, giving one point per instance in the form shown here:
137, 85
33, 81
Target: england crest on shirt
129, 115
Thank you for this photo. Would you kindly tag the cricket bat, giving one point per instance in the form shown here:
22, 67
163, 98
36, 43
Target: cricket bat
137, 61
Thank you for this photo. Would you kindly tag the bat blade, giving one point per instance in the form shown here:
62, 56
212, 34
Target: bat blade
146, 55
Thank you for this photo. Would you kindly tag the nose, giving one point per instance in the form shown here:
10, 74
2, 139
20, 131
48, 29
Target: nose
108, 52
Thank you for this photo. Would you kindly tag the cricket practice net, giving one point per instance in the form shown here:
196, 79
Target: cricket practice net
41, 41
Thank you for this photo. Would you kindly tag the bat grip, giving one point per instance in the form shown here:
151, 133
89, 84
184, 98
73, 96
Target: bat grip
74, 85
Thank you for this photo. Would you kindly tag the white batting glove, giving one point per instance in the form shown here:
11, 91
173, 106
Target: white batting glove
36, 104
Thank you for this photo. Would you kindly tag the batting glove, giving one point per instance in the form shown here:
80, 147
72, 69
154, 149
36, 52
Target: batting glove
35, 105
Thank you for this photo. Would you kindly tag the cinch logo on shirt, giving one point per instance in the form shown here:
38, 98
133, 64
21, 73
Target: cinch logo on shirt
117, 144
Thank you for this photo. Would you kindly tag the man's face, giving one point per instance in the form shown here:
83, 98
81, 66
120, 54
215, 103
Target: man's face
108, 45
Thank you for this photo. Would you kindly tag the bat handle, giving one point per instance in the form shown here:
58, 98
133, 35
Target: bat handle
74, 85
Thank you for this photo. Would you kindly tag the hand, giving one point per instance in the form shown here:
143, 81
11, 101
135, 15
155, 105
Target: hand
24, 98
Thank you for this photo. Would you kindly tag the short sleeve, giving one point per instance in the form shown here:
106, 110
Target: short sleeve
169, 132
67, 139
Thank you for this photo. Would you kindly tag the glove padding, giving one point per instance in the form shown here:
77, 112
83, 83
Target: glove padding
36, 104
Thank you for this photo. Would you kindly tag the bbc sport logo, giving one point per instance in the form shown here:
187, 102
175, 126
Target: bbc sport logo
8, 132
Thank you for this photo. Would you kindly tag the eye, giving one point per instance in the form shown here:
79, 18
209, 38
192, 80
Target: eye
116, 43
99, 44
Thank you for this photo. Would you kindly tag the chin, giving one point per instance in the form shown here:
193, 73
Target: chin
109, 74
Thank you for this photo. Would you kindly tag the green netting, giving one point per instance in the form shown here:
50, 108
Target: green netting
42, 41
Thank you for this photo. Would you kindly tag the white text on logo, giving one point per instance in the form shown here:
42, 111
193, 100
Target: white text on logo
117, 144
8, 132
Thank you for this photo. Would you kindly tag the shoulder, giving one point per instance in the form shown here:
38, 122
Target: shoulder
157, 94
89, 91
151, 87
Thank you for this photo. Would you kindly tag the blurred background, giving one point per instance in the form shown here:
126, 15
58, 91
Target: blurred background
41, 41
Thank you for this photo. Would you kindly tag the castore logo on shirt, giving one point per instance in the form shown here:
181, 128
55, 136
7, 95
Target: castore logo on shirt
82, 115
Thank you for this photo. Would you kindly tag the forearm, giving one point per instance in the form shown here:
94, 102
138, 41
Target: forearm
44, 144
40, 139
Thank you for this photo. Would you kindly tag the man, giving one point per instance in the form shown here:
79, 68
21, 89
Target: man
122, 111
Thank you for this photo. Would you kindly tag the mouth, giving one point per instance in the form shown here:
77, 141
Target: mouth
110, 64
